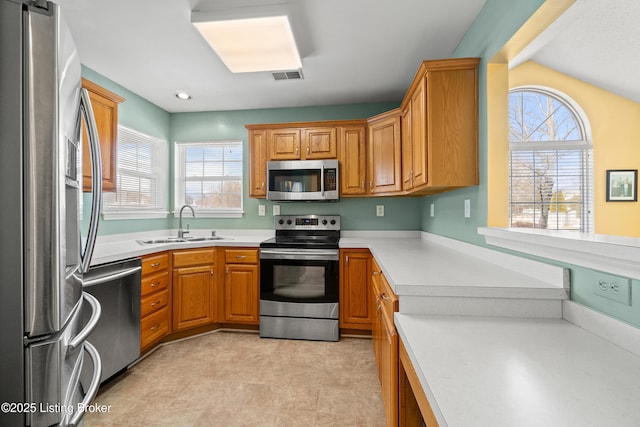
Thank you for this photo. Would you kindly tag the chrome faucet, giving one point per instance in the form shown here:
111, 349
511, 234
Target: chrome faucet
182, 232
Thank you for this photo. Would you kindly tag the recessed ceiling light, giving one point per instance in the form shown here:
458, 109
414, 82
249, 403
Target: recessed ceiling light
252, 43
183, 95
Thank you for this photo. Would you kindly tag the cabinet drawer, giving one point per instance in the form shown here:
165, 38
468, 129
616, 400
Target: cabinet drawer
154, 302
241, 256
154, 326
193, 257
154, 283
155, 263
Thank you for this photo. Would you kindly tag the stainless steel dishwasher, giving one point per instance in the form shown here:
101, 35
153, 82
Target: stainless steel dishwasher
117, 335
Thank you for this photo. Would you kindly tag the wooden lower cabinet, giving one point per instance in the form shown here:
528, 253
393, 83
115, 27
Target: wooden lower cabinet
355, 289
385, 342
414, 408
241, 286
193, 288
155, 302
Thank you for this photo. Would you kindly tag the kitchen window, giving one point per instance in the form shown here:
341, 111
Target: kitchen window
141, 177
550, 162
208, 176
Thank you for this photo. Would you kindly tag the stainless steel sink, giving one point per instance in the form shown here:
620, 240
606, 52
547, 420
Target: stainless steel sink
181, 240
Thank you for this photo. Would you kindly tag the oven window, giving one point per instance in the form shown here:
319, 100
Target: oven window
298, 281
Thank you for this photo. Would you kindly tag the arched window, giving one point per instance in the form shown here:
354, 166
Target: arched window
550, 170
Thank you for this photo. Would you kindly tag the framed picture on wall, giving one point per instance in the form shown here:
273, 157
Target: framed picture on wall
622, 185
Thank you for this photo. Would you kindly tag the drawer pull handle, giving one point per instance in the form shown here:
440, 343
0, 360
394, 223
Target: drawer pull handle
241, 256
154, 284
155, 265
384, 296
154, 327
375, 273
153, 304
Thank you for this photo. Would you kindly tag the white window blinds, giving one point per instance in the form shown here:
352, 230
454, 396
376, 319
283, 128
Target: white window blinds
209, 177
142, 165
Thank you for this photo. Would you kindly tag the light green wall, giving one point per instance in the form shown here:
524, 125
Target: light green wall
495, 25
357, 213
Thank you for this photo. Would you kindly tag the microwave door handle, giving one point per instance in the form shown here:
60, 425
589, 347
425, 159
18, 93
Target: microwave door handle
322, 180
96, 177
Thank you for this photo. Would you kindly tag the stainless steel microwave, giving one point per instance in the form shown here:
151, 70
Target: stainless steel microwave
295, 180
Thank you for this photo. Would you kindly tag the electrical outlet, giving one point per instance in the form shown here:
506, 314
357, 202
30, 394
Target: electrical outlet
379, 210
614, 288
467, 208
276, 210
433, 210
262, 210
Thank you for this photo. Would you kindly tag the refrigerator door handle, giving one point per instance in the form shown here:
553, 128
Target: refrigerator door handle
93, 387
96, 177
90, 326
110, 277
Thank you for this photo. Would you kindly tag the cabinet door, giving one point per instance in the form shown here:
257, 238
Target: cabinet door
257, 163
407, 149
284, 144
418, 132
241, 297
193, 297
353, 161
355, 290
320, 143
384, 155
389, 370
105, 110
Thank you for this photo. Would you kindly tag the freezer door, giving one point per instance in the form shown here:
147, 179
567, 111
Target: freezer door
51, 189
54, 367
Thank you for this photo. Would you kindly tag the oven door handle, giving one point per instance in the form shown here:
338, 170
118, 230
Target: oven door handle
300, 254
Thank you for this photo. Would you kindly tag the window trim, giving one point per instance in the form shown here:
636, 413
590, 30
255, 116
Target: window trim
583, 144
124, 213
207, 212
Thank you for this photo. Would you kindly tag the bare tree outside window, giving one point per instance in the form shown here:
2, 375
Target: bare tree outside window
549, 163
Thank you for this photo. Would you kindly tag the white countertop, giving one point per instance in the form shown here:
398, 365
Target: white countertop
508, 372
122, 246
419, 266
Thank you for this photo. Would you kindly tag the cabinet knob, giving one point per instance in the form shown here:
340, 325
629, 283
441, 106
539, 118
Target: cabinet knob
307, 148
362, 185
297, 150
262, 187
371, 184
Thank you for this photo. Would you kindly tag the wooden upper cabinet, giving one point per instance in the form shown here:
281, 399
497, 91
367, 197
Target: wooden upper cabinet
384, 163
284, 144
105, 110
440, 135
353, 160
258, 163
414, 147
319, 143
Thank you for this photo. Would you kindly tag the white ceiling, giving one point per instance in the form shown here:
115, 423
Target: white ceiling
596, 41
353, 51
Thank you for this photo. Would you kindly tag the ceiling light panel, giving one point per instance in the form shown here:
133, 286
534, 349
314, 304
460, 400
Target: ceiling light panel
251, 44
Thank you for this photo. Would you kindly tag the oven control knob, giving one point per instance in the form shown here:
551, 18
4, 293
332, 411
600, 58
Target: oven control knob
324, 222
281, 221
333, 222
288, 222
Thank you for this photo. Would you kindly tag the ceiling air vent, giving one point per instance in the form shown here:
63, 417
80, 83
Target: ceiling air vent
288, 75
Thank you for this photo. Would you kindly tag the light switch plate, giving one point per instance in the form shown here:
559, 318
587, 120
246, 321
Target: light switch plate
379, 210
262, 210
467, 208
432, 207
276, 210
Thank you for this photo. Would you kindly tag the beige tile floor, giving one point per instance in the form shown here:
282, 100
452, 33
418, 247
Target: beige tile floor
238, 379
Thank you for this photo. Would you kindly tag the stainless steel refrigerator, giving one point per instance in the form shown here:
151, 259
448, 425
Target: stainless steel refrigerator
42, 254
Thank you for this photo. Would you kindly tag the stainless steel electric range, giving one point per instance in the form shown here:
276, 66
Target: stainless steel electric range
299, 277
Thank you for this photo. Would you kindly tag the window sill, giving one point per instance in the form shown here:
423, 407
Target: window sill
133, 214
613, 254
